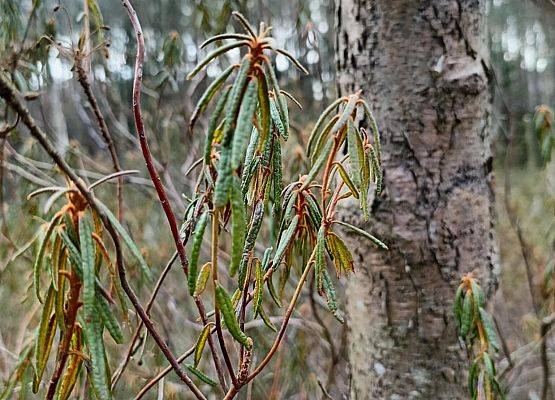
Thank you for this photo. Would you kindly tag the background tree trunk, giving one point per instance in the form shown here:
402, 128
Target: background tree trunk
422, 66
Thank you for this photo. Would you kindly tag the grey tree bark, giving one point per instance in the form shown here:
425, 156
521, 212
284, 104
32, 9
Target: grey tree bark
422, 65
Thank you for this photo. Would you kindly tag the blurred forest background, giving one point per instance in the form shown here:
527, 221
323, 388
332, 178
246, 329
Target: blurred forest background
522, 42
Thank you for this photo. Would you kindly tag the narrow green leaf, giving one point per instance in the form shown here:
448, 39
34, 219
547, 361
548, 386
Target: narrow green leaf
213, 54
374, 128
320, 260
457, 304
126, 239
258, 288
331, 298
243, 21
252, 234
376, 169
318, 164
272, 290
202, 279
40, 255
313, 138
347, 180
44, 338
264, 112
209, 94
363, 233
477, 293
285, 241
314, 212
224, 304
56, 257
223, 180
276, 119
472, 378
92, 322
213, 124
238, 226
488, 363
108, 318
293, 60
201, 342
487, 322
342, 258
224, 36
323, 139
467, 314
201, 375
195, 250
277, 184
356, 154
244, 124
267, 321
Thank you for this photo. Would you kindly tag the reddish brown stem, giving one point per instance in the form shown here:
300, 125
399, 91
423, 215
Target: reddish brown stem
214, 260
63, 351
139, 125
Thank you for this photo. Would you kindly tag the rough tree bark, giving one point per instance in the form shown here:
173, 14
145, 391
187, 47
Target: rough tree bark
422, 65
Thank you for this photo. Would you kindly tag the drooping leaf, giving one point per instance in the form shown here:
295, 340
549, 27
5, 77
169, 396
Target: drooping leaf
209, 94
345, 177
322, 140
487, 322
318, 164
224, 304
467, 314
201, 342
272, 290
244, 124
202, 279
92, 321
313, 138
342, 258
195, 250
213, 124
126, 239
363, 233
356, 154
264, 112
213, 54
250, 240
224, 36
40, 255
267, 321
284, 242
238, 226
44, 338
203, 377
331, 297
258, 288
109, 319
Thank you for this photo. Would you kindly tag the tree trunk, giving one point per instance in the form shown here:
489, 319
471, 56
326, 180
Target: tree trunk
422, 65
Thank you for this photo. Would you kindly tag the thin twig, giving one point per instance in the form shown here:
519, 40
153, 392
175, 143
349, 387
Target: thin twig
214, 260
83, 79
544, 330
